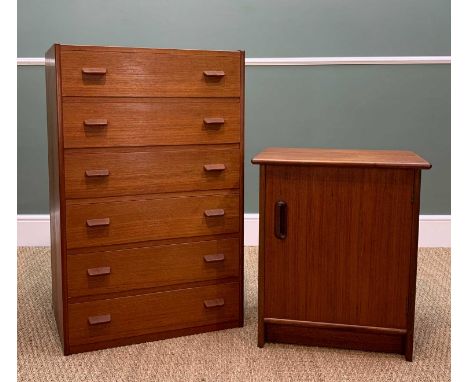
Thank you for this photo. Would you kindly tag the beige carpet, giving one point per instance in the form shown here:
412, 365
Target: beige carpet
230, 355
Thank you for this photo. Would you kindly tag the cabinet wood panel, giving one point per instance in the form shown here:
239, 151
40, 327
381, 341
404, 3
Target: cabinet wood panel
147, 267
150, 74
338, 247
106, 172
145, 122
150, 218
351, 228
151, 313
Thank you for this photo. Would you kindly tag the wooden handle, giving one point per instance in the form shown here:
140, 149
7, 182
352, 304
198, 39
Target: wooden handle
216, 258
98, 71
213, 73
96, 320
95, 122
214, 303
281, 212
97, 222
213, 121
94, 173
215, 212
100, 271
214, 167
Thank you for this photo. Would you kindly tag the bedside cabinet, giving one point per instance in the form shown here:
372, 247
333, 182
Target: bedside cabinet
338, 247
146, 192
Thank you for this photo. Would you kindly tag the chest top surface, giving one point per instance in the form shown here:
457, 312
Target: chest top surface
340, 157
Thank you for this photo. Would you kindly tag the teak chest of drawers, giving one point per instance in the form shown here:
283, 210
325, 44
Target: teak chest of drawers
338, 247
146, 152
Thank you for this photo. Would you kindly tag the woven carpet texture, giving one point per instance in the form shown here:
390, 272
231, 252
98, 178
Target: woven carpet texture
230, 355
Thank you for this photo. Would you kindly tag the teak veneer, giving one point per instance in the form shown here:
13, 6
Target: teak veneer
338, 247
146, 180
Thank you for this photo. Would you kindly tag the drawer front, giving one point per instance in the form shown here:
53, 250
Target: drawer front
106, 172
107, 122
109, 319
138, 268
150, 74
124, 220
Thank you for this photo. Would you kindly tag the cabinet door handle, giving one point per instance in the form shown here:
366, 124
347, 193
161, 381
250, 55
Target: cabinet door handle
209, 122
214, 167
213, 73
95, 122
97, 71
97, 222
216, 258
96, 320
215, 212
100, 271
214, 303
96, 173
281, 220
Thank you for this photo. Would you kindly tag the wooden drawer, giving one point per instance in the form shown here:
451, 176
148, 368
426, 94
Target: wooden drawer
138, 268
104, 320
133, 219
106, 122
151, 170
150, 74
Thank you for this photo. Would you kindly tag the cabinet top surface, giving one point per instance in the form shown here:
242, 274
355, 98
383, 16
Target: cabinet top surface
340, 157
123, 49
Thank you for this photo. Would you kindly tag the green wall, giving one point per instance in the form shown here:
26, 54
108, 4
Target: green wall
264, 28
359, 106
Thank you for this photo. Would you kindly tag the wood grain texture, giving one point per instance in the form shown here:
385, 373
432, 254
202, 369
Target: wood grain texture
127, 49
145, 122
241, 186
150, 170
261, 259
150, 313
337, 157
336, 327
150, 74
144, 218
413, 266
149, 267
329, 337
154, 336
352, 232
56, 200
344, 274
151, 141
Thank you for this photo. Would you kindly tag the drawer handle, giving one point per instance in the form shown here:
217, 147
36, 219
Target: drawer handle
97, 320
97, 222
214, 303
95, 122
100, 271
215, 212
97, 71
216, 258
95, 173
213, 121
214, 167
213, 73
281, 213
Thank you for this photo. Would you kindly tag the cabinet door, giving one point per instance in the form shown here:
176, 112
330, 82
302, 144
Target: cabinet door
346, 251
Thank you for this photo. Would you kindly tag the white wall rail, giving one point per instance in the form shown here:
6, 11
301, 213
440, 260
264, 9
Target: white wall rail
307, 61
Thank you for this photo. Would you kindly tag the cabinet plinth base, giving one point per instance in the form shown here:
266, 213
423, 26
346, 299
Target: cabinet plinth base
386, 340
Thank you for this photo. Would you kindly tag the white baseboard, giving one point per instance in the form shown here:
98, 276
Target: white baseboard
434, 230
33, 230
